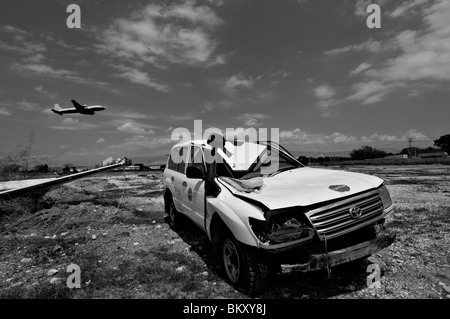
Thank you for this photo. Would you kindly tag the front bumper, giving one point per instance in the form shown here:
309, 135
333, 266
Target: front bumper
342, 256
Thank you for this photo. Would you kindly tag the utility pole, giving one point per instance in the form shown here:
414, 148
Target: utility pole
410, 140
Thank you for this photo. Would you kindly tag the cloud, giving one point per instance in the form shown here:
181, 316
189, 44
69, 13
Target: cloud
223, 104
424, 54
412, 133
27, 106
405, 8
40, 69
43, 69
324, 92
134, 128
4, 111
361, 68
14, 30
139, 142
326, 95
70, 124
283, 74
370, 45
128, 115
318, 140
252, 119
252, 122
216, 2
70, 121
139, 77
42, 90
164, 34
301, 137
180, 118
30, 51
101, 140
22, 43
234, 83
369, 92
419, 56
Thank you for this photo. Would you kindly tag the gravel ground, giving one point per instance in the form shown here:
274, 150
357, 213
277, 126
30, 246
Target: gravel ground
115, 229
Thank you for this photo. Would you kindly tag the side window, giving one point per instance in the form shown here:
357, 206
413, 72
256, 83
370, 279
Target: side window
196, 155
172, 163
183, 155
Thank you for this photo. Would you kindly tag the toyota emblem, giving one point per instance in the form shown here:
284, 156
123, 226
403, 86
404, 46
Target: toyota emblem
355, 212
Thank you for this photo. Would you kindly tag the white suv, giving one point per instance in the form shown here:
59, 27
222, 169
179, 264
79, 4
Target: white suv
263, 211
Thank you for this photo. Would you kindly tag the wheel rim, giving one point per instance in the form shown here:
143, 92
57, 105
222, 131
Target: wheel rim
231, 261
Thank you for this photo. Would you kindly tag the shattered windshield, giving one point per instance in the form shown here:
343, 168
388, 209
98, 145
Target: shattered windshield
245, 160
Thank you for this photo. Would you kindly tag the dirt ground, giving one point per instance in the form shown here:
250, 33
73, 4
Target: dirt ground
114, 228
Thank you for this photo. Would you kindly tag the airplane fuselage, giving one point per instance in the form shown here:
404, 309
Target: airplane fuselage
80, 109
89, 110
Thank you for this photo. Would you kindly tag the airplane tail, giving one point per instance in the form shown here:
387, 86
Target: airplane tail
57, 109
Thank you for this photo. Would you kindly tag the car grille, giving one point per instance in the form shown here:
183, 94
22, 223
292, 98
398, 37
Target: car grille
334, 220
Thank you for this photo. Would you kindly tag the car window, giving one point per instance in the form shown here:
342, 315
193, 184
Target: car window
172, 163
196, 155
183, 153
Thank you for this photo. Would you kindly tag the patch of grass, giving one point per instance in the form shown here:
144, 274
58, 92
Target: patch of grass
42, 291
412, 181
156, 273
420, 220
104, 201
40, 248
152, 194
137, 217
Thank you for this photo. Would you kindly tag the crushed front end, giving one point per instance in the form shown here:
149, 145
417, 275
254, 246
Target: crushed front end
326, 234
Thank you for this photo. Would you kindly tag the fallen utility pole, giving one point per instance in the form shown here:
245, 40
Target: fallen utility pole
16, 192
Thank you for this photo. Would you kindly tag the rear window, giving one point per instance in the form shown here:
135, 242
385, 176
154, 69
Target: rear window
178, 159
183, 159
171, 164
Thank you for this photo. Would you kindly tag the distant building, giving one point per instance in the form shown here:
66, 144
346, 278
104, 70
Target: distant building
431, 154
108, 161
133, 168
397, 156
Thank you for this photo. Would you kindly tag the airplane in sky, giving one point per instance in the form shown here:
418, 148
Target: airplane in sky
78, 108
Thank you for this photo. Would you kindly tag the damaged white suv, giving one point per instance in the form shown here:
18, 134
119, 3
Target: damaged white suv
263, 211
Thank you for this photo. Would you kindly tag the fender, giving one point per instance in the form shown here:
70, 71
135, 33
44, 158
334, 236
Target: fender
237, 223
169, 187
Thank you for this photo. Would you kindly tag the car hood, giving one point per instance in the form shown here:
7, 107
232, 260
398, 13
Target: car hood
307, 186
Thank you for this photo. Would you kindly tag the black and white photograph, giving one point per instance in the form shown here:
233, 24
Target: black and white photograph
232, 150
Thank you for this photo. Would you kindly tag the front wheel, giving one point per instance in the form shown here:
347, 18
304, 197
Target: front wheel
244, 267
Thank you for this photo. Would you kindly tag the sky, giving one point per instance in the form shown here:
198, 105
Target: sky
310, 68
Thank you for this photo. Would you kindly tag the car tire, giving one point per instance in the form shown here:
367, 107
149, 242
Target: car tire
243, 266
174, 217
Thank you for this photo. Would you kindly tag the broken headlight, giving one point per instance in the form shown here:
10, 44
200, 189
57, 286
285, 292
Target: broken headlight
385, 197
281, 228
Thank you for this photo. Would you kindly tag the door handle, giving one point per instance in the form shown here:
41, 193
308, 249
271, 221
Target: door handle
184, 184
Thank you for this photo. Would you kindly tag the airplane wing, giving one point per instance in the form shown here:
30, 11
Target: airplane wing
78, 106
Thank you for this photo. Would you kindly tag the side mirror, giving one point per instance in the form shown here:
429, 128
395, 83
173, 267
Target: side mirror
195, 171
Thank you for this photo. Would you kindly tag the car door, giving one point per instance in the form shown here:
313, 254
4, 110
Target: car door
180, 156
193, 190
